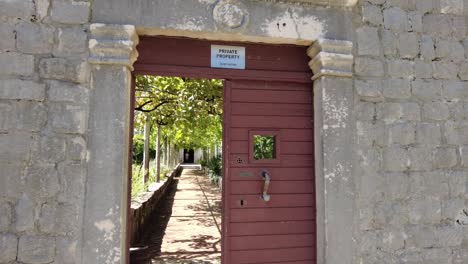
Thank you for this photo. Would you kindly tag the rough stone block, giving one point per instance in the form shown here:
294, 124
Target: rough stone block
18, 64
28, 116
449, 49
34, 38
25, 214
427, 48
420, 237
409, 257
10, 180
372, 14
22, 90
370, 133
429, 183
436, 24
400, 68
396, 186
422, 69
393, 213
391, 112
72, 175
68, 118
426, 90
415, 21
456, 133
70, 12
7, 42
464, 155
389, 43
63, 69
368, 41
395, 19
393, 240
452, 209
457, 181
463, 71
395, 159
8, 247
369, 67
76, 149
51, 148
15, 147
424, 6
420, 158
458, 110
36, 249
41, 181
444, 158
401, 133
67, 251
428, 134
437, 111
369, 90
71, 41
454, 7
436, 255
425, 210
396, 89
5, 216
408, 45
67, 92
459, 26
19, 9
47, 218
365, 111
444, 70
455, 90
42, 8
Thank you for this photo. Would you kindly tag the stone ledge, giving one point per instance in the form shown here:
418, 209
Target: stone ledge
331, 58
338, 3
113, 44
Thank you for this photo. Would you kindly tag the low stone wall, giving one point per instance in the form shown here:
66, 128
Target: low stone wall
142, 207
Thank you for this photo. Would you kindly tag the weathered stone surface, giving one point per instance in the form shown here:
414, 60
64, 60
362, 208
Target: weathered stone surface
368, 41
76, 149
72, 177
396, 186
427, 48
393, 240
34, 38
449, 49
58, 219
424, 210
389, 43
422, 69
41, 181
397, 89
463, 71
430, 183
426, 90
51, 148
456, 133
70, 12
28, 116
415, 21
67, 118
5, 216
20, 9
67, 92
420, 158
435, 111
391, 112
365, 111
8, 247
424, 6
35, 249
420, 237
455, 90
428, 134
7, 42
22, 90
435, 24
63, 69
10, 180
15, 146
395, 158
436, 255
395, 19
464, 155
449, 236
444, 70
401, 133
42, 8
400, 68
369, 90
369, 67
372, 14
451, 7
444, 157
67, 251
25, 214
47, 218
18, 64
408, 45
71, 41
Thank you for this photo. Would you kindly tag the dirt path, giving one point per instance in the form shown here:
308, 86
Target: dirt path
186, 228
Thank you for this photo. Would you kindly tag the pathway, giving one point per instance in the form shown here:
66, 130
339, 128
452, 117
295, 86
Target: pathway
187, 227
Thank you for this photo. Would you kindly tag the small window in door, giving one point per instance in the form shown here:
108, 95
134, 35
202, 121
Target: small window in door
264, 146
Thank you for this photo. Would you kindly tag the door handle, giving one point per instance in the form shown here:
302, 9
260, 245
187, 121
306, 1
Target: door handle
266, 184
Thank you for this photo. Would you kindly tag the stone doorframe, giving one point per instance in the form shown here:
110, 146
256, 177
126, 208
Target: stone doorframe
112, 54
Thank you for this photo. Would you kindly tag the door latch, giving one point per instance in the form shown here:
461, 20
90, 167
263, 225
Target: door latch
266, 178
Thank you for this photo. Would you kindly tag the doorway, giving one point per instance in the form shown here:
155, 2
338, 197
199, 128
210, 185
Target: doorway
189, 156
268, 162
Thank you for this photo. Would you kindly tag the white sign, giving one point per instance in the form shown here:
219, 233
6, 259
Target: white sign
229, 57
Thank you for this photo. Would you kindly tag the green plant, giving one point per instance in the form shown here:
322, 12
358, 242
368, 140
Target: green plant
215, 169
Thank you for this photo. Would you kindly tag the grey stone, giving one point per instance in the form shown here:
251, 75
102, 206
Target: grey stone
408, 45
18, 64
429, 183
444, 157
15, 146
452, 209
389, 43
36, 249
70, 12
450, 49
456, 133
458, 110
47, 218
401, 133
365, 111
422, 69
393, 213
25, 214
368, 41
427, 48
459, 27
63, 69
71, 41
76, 148
369, 67
409, 257
455, 90
424, 210
428, 134
10, 180
7, 42
41, 181
391, 112
34, 38
415, 21
5, 216
396, 186
463, 71
8, 247
400, 68
393, 240
426, 90
395, 159
51, 148
464, 155
396, 89
67, 118
28, 116
372, 14
460, 256
22, 90
370, 133
67, 92
72, 178
449, 236
436, 24
454, 7
424, 6
435, 111
420, 158
369, 90
67, 251
444, 70
42, 8
436, 255
395, 19
20, 9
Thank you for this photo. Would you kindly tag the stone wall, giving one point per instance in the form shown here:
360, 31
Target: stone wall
412, 132
44, 81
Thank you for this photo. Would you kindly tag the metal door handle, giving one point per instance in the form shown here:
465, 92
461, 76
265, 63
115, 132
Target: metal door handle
266, 185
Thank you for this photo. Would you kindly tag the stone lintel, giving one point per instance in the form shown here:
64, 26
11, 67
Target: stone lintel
331, 58
337, 3
113, 44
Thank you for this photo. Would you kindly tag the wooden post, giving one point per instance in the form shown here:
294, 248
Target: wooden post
146, 156
157, 159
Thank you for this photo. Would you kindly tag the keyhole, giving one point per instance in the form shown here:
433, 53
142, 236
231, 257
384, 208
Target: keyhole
242, 203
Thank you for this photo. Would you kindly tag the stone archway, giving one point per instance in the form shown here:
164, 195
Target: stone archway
112, 54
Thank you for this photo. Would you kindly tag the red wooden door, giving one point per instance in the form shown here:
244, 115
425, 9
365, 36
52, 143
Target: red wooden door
281, 230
